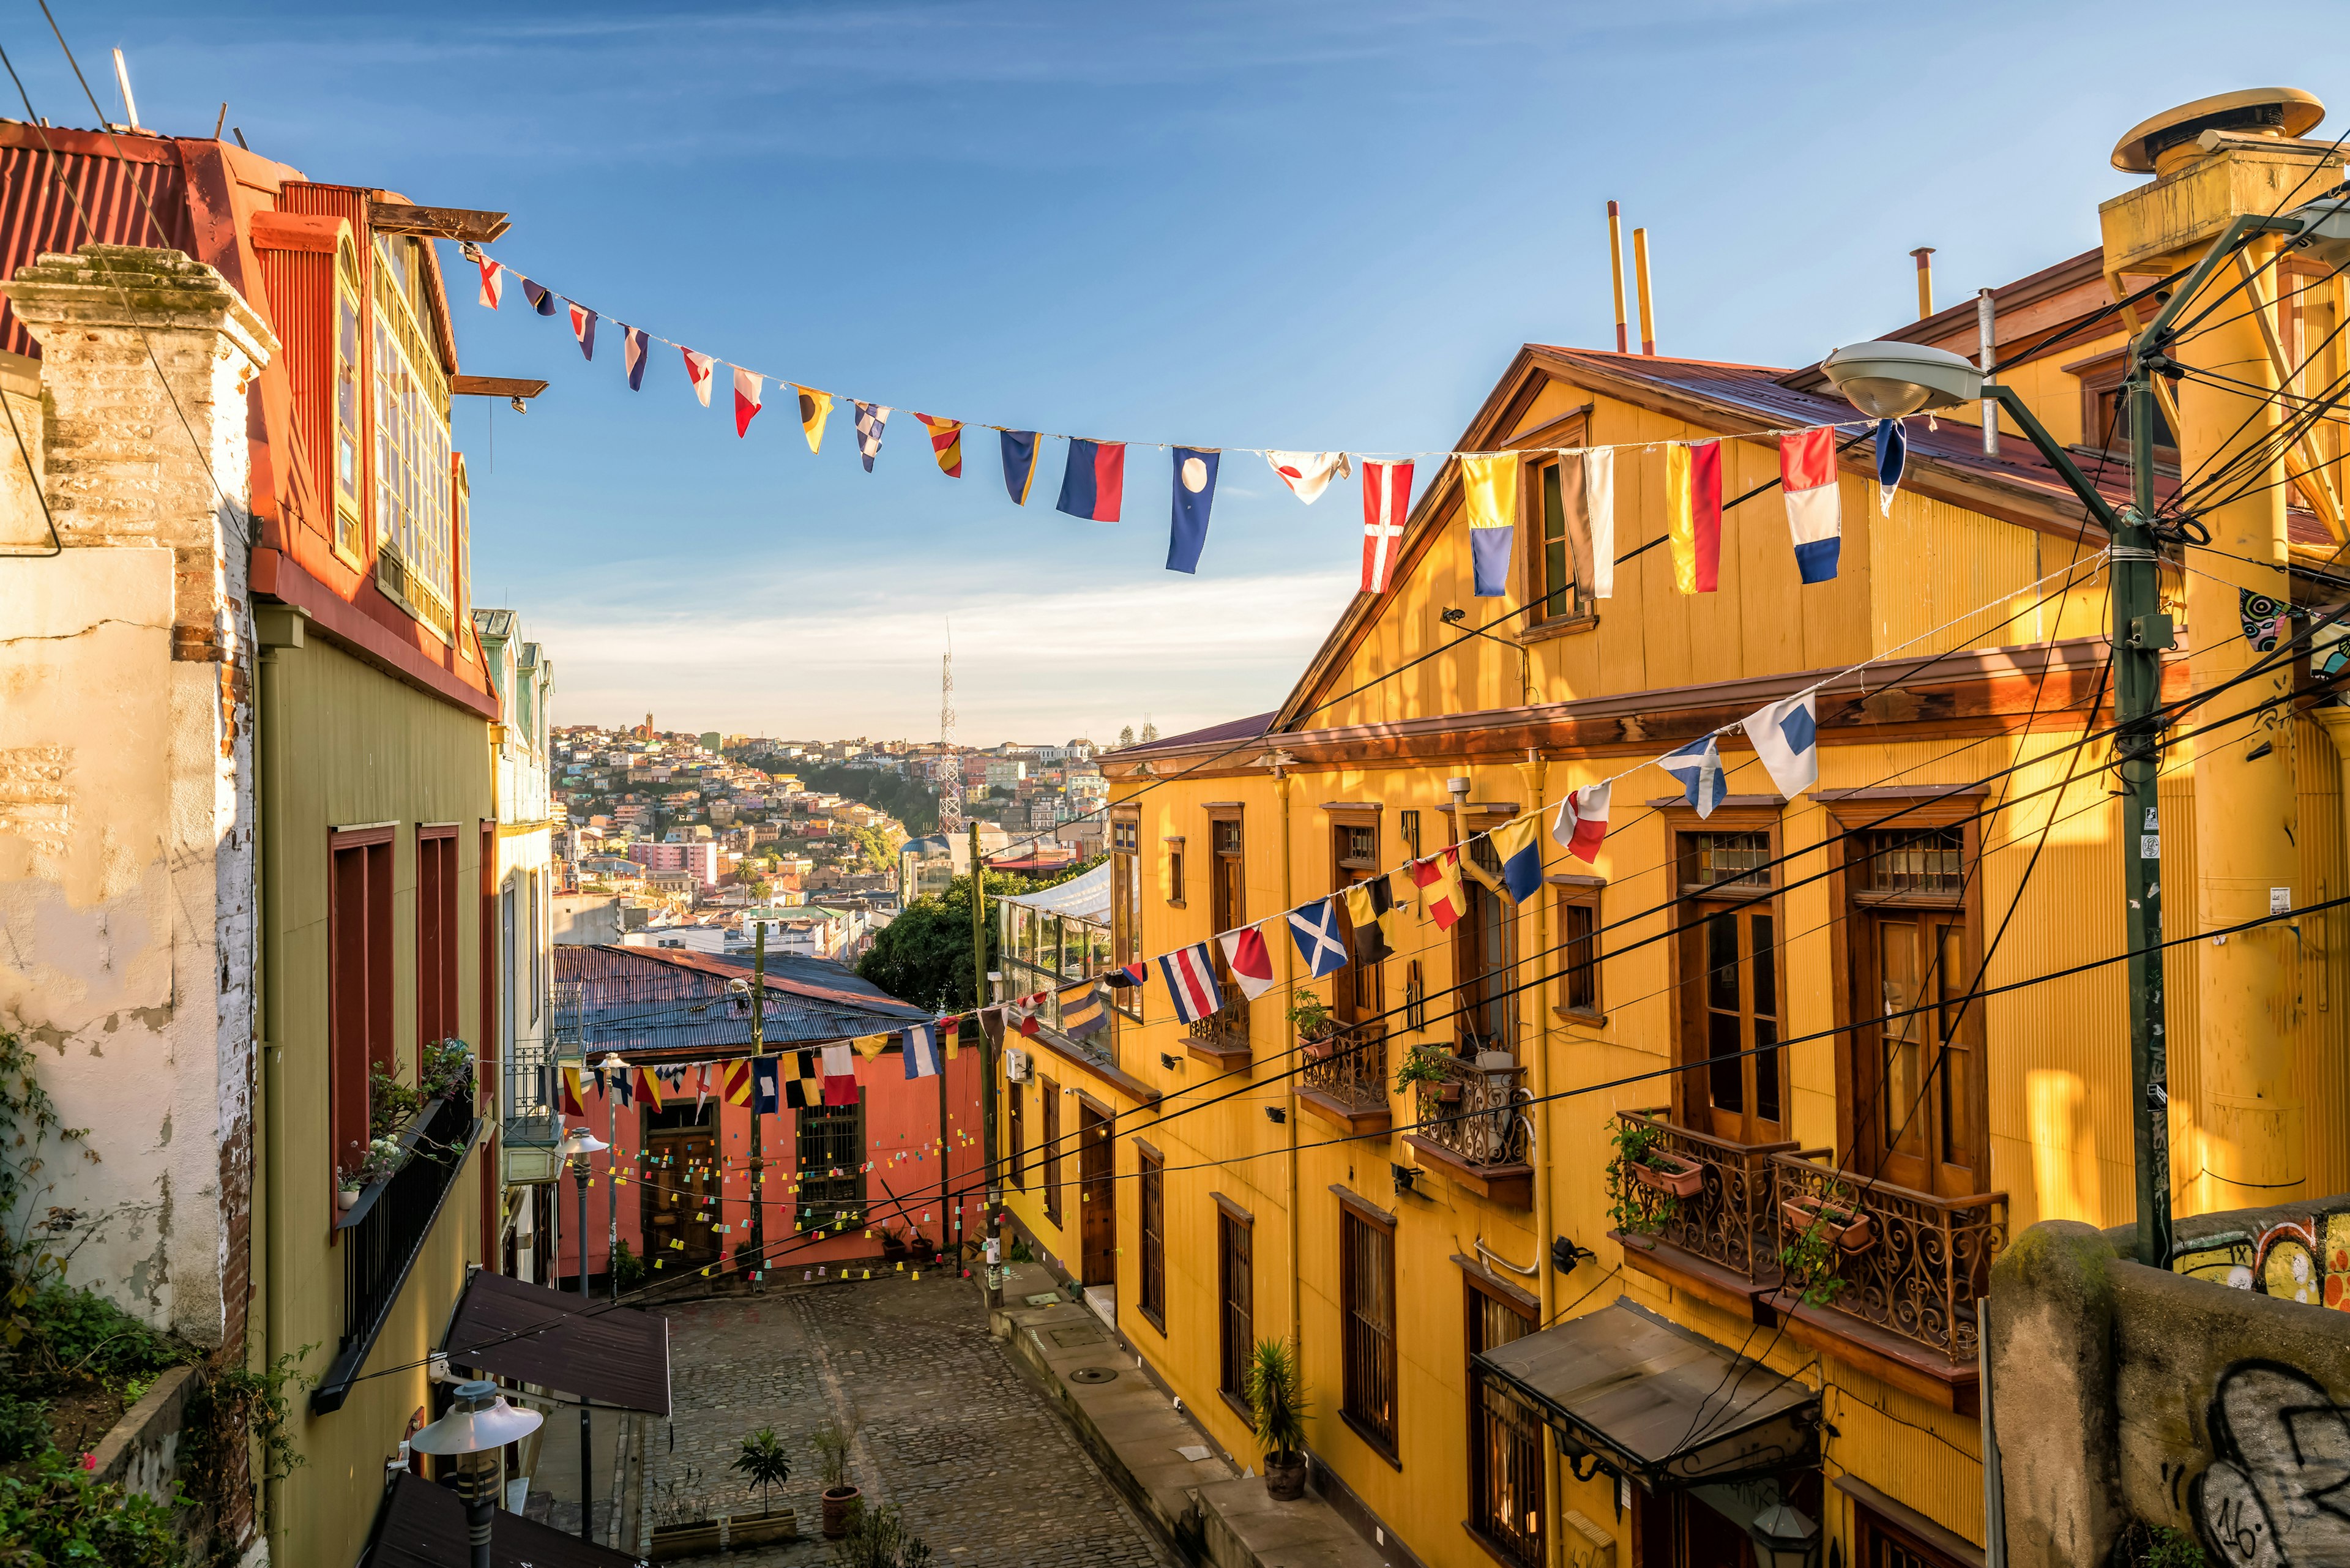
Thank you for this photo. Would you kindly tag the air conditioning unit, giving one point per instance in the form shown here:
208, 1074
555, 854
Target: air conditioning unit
1016, 1065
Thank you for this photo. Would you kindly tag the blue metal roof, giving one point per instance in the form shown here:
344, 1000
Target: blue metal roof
674, 1004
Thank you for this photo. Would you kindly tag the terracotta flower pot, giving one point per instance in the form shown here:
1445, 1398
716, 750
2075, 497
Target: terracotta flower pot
1285, 1477
840, 1504
1846, 1229
1450, 1093
1676, 1176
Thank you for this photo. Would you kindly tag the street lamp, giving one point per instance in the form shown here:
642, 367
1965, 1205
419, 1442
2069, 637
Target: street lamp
1784, 1538
576, 1146
1888, 381
477, 1426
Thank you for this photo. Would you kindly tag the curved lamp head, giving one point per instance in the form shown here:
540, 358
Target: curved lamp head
1886, 380
481, 1419
1785, 1537
579, 1141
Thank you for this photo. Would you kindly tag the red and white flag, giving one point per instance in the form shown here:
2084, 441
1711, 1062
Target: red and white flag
697, 370
493, 284
702, 1086
1582, 821
1252, 964
1190, 976
1387, 501
748, 389
839, 1073
583, 329
1309, 473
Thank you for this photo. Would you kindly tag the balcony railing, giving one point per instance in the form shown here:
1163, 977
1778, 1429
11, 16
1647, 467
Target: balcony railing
1916, 1270
1733, 1221
1350, 1066
384, 1230
1225, 1031
1474, 1111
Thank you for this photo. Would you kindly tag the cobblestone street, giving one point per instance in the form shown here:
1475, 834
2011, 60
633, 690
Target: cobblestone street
944, 1424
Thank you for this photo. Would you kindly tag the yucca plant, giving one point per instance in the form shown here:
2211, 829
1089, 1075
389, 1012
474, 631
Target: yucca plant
1276, 1398
762, 1462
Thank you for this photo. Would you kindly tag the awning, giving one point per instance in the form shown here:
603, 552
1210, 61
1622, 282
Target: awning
606, 1354
423, 1526
1659, 1402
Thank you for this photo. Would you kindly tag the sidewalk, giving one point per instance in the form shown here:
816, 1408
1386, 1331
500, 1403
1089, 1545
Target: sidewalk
1164, 1463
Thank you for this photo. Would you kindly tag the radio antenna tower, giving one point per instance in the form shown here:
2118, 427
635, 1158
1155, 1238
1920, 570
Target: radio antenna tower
949, 773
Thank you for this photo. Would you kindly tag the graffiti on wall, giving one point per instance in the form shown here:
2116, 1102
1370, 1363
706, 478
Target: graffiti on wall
2305, 1259
2277, 1492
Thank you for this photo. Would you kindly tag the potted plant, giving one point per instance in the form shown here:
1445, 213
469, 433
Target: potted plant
893, 1244
921, 1246
1670, 1174
1809, 1259
764, 1464
1276, 1400
1423, 1065
448, 1070
1309, 1015
1840, 1225
348, 1187
391, 1104
840, 1498
1636, 1208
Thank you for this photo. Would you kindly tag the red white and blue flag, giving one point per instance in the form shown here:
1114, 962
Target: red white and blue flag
1190, 976
697, 370
634, 343
1094, 484
1807, 472
1582, 821
1246, 956
1129, 974
583, 328
748, 390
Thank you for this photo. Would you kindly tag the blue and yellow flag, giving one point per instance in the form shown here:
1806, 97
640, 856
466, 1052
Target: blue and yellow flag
1082, 1012
1019, 463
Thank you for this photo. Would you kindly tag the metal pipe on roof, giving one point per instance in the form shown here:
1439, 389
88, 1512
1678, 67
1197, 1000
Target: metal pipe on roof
1986, 338
122, 80
1925, 281
1615, 272
1640, 276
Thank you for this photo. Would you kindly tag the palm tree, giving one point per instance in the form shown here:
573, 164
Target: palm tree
763, 1462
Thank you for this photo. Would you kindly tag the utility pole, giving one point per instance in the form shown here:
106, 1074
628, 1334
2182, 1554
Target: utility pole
986, 1072
613, 1068
758, 1048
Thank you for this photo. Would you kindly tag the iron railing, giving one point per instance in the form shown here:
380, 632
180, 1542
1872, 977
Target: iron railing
1921, 1266
381, 1234
1473, 1111
1226, 1028
1349, 1065
1733, 1222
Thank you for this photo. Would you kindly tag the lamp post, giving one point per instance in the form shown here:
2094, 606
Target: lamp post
1783, 1537
477, 1426
576, 1146
613, 1067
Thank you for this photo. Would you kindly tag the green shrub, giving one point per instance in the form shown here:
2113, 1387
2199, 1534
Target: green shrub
76, 1332
24, 1427
52, 1513
628, 1269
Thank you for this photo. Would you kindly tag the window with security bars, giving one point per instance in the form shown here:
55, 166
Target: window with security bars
1051, 1099
1506, 1441
1729, 860
1153, 1183
1932, 862
1236, 1302
1015, 1153
1367, 1313
830, 1142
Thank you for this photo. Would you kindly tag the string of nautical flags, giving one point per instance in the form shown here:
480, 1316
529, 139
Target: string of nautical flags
1093, 478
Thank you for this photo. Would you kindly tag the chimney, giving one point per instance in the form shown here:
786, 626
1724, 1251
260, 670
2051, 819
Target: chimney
1615, 272
1925, 281
1640, 270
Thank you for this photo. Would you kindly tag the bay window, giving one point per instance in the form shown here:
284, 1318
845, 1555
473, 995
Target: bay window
415, 552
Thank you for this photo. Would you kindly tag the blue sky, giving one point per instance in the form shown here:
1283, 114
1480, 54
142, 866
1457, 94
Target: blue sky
1311, 225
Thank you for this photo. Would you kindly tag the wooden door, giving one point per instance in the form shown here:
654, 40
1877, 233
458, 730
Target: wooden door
1097, 1198
681, 1191
1730, 1019
1921, 1055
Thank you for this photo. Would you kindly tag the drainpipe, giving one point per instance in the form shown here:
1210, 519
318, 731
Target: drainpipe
1280, 788
1532, 775
1986, 343
264, 1222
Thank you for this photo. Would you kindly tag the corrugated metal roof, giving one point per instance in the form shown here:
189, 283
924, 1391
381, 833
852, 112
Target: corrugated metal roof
674, 1002
83, 199
1230, 730
612, 1355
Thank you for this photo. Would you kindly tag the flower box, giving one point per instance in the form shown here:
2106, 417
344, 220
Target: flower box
1670, 1174
702, 1537
1846, 1229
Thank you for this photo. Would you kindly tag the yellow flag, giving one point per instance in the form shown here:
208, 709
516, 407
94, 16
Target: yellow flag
1489, 490
815, 409
871, 1045
1681, 522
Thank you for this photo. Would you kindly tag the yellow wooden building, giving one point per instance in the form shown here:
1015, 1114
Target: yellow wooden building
1513, 1350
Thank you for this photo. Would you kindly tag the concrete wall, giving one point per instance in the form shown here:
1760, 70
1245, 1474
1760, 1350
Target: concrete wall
2127, 1394
126, 785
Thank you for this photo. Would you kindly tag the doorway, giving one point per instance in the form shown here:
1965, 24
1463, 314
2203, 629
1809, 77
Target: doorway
1097, 1197
682, 1192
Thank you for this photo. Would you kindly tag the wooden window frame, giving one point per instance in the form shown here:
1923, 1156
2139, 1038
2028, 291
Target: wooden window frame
360, 979
1477, 1288
1854, 814
437, 1016
1691, 1094
2100, 376
1234, 1353
1572, 890
1126, 908
1150, 1181
1227, 881
1473, 968
1049, 1130
1015, 1122
1348, 1003
1355, 1210
1170, 847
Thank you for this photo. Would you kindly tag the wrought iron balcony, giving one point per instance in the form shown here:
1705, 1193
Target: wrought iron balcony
1901, 1263
1729, 1222
1471, 1121
381, 1234
1349, 1064
1223, 1032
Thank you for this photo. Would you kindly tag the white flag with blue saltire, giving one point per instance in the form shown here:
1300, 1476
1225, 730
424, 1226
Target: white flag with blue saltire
1698, 767
1786, 737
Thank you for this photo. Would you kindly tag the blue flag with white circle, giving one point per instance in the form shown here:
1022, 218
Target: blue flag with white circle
1195, 492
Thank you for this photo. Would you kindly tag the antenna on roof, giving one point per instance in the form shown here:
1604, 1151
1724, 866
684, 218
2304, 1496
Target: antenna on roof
129, 104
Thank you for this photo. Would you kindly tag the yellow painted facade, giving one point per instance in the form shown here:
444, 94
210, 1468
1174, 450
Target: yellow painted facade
1398, 701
